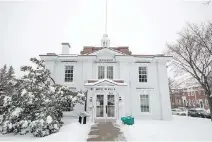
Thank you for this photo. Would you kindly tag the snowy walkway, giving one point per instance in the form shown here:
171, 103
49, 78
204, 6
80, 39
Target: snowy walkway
105, 131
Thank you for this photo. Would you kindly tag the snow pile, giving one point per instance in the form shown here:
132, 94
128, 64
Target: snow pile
181, 128
71, 131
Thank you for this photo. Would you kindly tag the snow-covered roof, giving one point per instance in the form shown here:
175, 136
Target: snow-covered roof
70, 55
114, 50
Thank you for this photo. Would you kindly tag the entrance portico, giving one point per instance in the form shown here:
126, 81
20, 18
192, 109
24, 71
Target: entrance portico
103, 99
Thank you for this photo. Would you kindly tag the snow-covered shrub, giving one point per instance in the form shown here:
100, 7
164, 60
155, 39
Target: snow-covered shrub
67, 98
44, 125
38, 128
0, 121
24, 126
7, 127
12, 121
36, 106
8, 86
6, 101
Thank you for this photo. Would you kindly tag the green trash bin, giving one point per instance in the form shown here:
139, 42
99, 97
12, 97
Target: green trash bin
129, 120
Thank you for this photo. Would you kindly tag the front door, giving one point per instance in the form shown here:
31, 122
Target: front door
105, 107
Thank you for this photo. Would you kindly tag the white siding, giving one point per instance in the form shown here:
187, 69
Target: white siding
125, 69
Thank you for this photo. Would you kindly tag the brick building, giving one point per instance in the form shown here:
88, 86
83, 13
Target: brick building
189, 97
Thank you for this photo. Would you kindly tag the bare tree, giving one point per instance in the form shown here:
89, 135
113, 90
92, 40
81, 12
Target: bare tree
174, 86
192, 54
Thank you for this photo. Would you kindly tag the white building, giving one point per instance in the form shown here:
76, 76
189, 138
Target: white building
118, 82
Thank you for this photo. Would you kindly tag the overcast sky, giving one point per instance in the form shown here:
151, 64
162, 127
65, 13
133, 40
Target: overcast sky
30, 28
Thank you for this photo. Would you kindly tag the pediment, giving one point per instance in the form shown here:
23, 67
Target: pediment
105, 82
106, 55
105, 52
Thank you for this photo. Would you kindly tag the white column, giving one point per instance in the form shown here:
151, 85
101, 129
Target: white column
164, 91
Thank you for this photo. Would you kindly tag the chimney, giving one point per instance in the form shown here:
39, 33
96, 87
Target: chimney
65, 48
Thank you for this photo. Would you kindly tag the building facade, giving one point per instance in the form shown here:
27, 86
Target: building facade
193, 97
118, 83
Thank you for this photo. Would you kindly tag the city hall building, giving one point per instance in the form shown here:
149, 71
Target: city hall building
118, 83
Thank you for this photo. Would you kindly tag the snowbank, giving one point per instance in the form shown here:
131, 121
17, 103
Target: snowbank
181, 128
70, 131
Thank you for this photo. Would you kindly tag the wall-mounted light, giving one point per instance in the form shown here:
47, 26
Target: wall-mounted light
90, 99
120, 98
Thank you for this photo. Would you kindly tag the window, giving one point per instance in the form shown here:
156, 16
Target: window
142, 74
69, 73
184, 103
206, 102
144, 100
110, 72
104, 44
189, 102
101, 72
179, 102
194, 103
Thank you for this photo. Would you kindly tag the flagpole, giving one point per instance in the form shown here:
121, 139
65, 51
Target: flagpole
106, 18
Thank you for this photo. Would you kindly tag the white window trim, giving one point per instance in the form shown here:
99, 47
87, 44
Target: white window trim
146, 75
63, 76
108, 72
98, 71
145, 113
105, 73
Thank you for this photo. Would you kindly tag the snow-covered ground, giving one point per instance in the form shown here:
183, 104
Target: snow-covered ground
70, 131
181, 128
